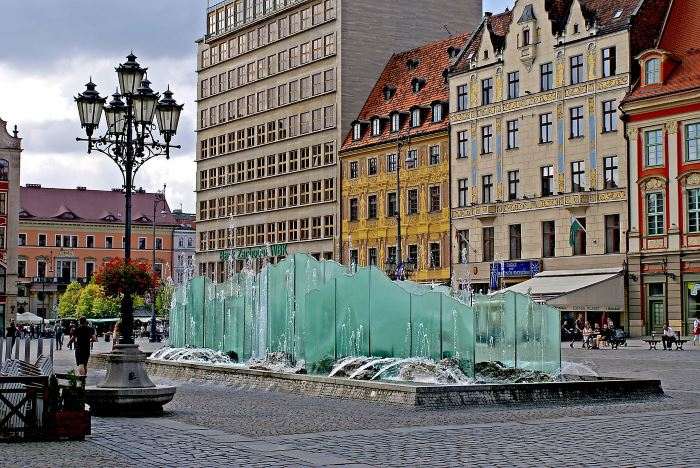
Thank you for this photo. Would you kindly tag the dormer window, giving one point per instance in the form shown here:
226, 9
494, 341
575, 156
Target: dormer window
376, 126
453, 52
395, 122
653, 71
486, 54
412, 64
417, 84
437, 112
389, 92
415, 118
576, 28
356, 131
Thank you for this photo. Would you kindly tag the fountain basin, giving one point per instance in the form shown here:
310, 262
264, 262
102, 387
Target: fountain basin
105, 401
583, 388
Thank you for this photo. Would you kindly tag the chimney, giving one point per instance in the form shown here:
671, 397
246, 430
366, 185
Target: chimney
488, 14
33, 186
116, 189
82, 189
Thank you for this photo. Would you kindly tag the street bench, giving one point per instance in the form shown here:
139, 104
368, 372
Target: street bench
652, 342
680, 341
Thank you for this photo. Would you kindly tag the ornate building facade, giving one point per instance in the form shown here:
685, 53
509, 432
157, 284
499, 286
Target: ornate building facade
537, 146
396, 160
663, 128
10, 151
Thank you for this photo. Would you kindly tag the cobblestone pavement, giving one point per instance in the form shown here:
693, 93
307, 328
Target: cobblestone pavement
208, 425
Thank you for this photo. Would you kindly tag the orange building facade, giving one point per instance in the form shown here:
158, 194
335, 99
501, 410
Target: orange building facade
65, 235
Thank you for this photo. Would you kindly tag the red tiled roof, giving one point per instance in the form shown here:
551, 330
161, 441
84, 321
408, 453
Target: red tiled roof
433, 60
681, 39
91, 206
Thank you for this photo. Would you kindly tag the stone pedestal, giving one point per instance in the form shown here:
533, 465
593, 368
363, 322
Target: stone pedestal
128, 390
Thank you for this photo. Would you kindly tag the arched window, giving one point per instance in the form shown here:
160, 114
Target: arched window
4, 169
653, 71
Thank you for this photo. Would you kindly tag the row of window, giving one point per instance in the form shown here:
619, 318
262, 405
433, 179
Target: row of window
319, 119
412, 204
268, 166
577, 75
656, 212
272, 98
72, 241
239, 12
413, 256
293, 230
654, 145
413, 160
64, 268
611, 176
260, 201
437, 114
546, 129
548, 244
271, 65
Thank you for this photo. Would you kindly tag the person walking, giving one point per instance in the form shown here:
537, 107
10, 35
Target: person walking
58, 332
12, 333
84, 335
71, 335
31, 331
696, 331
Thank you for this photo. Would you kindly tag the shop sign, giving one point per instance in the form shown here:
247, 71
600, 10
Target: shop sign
266, 251
513, 269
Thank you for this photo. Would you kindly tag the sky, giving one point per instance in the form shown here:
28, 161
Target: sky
51, 48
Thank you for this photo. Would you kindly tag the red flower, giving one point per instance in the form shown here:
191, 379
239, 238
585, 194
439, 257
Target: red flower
118, 275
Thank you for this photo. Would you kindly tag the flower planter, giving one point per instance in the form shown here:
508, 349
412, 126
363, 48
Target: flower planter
68, 424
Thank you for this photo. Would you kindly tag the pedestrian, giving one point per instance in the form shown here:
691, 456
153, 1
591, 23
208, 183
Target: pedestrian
669, 337
696, 331
84, 335
71, 335
58, 332
116, 334
568, 333
12, 333
587, 332
31, 331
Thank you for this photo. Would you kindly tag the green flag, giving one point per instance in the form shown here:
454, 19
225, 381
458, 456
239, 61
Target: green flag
573, 230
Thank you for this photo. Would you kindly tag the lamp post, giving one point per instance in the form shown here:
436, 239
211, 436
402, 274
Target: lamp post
159, 198
130, 141
401, 140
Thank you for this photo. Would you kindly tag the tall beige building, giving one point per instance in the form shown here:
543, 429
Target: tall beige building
538, 146
10, 151
279, 83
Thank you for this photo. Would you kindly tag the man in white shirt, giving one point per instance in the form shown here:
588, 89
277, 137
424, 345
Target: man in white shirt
669, 337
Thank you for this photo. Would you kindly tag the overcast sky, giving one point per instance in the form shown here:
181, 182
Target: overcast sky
50, 48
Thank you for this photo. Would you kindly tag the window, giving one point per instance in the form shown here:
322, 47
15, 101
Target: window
4, 169
159, 243
462, 97
547, 180
694, 210
546, 76
612, 233
486, 189
514, 242
580, 238
655, 213
142, 243
434, 198
391, 206
412, 201
462, 144
513, 182
356, 131
415, 118
90, 242
41, 269
89, 269
412, 159
22, 268
391, 255
395, 122
376, 126
611, 172
109, 242
486, 91
609, 61
653, 148
353, 169
512, 127
487, 238
462, 193
486, 139
42, 240
21, 239
576, 69
692, 142
463, 245
513, 85
548, 239
576, 122
437, 112
434, 255
578, 171
372, 166
609, 116
526, 37
652, 72
413, 254
372, 207
372, 256
546, 128
434, 155
391, 163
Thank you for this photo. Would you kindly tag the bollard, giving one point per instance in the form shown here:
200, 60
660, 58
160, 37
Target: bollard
27, 350
40, 347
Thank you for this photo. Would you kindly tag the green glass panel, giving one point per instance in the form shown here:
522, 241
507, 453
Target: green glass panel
458, 333
280, 306
318, 346
494, 324
389, 317
352, 314
425, 325
233, 332
195, 304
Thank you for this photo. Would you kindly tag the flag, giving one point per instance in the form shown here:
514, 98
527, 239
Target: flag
573, 230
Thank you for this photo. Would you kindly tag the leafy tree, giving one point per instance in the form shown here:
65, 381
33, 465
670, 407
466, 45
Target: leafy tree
106, 307
68, 303
164, 297
88, 297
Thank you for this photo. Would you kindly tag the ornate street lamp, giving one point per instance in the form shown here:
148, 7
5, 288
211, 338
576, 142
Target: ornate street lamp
130, 141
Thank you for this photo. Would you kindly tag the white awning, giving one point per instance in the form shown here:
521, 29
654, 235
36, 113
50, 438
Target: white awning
599, 288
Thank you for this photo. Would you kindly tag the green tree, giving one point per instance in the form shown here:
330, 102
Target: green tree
164, 297
86, 303
68, 303
106, 307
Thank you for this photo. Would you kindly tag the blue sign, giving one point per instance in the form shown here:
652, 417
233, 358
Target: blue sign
512, 269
